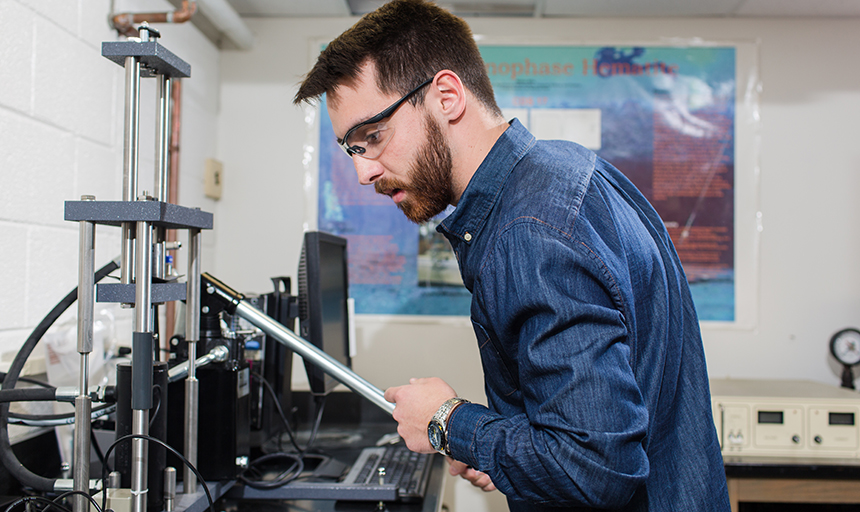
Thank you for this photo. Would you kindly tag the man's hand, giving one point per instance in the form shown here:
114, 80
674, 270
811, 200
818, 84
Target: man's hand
478, 479
416, 403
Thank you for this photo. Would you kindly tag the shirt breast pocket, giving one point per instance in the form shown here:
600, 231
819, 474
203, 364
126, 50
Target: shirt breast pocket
498, 376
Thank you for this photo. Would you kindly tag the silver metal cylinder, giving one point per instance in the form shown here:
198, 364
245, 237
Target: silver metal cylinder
313, 355
162, 165
143, 319
139, 460
192, 290
169, 489
143, 278
158, 252
83, 404
114, 480
130, 160
192, 336
86, 284
162, 137
84, 379
192, 392
81, 468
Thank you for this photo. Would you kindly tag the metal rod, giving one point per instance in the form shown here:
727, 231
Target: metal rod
139, 460
162, 136
86, 284
192, 391
216, 355
192, 336
130, 160
86, 295
192, 290
162, 147
169, 489
81, 470
311, 353
143, 278
141, 365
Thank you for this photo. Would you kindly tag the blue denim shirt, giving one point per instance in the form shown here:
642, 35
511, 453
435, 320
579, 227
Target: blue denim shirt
593, 361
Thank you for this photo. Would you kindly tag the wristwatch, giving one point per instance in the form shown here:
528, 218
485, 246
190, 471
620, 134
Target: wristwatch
437, 430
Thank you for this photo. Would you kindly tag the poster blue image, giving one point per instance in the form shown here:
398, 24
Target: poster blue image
665, 116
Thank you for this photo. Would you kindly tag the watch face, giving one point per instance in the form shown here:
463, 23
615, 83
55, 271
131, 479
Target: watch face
845, 346
436, 435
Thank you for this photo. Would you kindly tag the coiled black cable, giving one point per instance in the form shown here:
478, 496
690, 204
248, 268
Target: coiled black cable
26, 477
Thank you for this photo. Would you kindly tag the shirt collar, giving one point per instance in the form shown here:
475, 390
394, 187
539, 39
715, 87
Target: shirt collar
483, 189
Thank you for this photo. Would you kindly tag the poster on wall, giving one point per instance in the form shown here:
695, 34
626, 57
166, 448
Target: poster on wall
664, 115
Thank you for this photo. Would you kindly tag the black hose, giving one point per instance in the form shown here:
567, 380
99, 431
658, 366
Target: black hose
27, 395
28, 380
26, 477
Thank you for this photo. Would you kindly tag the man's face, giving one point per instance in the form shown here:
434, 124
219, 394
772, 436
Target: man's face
415, 166
426, 191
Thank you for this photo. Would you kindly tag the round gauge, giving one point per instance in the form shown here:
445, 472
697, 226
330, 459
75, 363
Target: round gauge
845, 346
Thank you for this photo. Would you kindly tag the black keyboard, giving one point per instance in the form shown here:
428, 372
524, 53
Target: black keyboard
388, 466
405, 478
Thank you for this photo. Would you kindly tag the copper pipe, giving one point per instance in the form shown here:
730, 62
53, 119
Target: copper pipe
173, 190
124, 22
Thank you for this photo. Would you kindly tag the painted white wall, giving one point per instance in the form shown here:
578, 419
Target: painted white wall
61, 136
809, 272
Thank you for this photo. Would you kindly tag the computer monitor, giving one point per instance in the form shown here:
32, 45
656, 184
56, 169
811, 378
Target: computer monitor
323, 303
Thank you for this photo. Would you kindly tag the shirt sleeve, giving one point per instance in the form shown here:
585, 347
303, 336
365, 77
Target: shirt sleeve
569, 427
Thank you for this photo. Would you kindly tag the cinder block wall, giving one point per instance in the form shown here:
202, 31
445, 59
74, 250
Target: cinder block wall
61, 136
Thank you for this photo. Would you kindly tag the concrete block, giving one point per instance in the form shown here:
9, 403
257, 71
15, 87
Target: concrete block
62, 13
13, 275
74, 84
52, 254
108, 244
94, 26
99, 171
10, 343
16, 54
38, 170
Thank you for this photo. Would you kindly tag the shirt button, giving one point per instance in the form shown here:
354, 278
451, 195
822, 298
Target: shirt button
468, 237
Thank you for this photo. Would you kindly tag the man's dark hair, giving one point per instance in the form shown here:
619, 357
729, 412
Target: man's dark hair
409, 41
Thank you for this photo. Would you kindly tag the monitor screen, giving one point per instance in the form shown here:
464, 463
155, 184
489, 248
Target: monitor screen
323, 303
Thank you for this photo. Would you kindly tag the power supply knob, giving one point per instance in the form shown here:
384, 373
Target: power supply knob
795, 439
817, 439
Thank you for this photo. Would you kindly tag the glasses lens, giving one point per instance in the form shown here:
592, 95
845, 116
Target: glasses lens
371, 137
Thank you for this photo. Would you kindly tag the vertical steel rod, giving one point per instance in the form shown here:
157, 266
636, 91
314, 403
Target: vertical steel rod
143, 278
86, 295
130, 160
162, 146
139, 460
162, 136
192, 336
141, 368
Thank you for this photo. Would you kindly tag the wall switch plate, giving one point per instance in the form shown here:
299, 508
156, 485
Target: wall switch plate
213, 178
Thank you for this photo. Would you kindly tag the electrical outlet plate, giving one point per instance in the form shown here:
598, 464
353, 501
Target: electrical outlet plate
213, 179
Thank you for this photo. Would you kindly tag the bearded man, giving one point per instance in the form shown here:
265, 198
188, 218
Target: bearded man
595, 373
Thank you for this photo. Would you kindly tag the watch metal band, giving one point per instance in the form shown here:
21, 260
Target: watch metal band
441, 417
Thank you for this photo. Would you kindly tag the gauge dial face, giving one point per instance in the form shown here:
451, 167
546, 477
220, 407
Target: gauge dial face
845, 346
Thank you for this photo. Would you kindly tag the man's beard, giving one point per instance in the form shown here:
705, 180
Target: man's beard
429, 191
